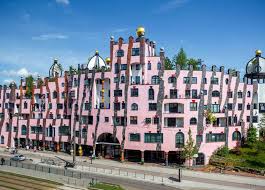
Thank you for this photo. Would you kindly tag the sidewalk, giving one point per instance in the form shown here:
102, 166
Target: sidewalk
191, 179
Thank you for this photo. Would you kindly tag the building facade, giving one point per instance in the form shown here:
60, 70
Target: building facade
130, 107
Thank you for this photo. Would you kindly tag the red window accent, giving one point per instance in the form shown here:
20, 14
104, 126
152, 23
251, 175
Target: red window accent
236, 129
134, 86
222, 132
193, 101
210, 131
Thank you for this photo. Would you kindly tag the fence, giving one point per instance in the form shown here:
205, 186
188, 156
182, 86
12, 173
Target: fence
61, 175
86, 173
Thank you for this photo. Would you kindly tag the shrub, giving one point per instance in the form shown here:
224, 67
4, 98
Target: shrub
222, 151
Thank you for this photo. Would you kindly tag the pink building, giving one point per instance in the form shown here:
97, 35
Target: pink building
128, 107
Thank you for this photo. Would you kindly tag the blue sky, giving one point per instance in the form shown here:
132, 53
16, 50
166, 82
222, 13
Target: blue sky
33, 32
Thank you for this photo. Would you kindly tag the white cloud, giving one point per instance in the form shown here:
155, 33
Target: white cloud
64, 2
173, 4
17, 73
50, 37
8, 81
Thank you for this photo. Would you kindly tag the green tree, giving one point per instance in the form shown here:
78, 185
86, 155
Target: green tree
168, 64
180, 59
72, 70
189, 148
194, 62
29, 86
251, 135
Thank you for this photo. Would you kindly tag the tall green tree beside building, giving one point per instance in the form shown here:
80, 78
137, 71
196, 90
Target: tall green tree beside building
190, 148
181, 59
251, 135
168, 64
262, 128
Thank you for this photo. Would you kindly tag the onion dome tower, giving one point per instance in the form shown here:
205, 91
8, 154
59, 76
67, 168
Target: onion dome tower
255, 69
56, 69
96, 62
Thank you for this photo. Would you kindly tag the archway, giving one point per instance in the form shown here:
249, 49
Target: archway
108, 146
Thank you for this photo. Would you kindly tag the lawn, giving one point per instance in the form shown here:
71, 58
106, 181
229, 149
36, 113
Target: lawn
106, 186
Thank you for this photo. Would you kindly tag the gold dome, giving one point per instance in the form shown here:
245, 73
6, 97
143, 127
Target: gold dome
140, 31
107, 60
258, 52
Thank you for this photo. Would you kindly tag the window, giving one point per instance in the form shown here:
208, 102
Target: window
205, 92
179, 140
116, 79
215, 108
134, 107
214, 80
117, 93
248, 93
229, 106
152, 106
215, 93
193, 121
123, 67
117, 106
262, 107
239, 94
54, 94
135, 51
122, 79
248, 107
186, 80
135, 137
106, 119
155, 79
138, 67
240, 106
149, 66
199, 139
23, 130
255, 119
2, 139
156, 120
87, 106
36, 129
226, 81
194, 80
116, 68
50, 105
172, 79
193, 106
230, 94
194, 93
153, 137
215, 137
134, 92
236, 136
59, 106
158, 66
255, 106
8, 127
204, 80
173, 93
147, 120
123, 105
84, 132
120, 53
151, 94
187, 93
64, 130
248, 118
25, 105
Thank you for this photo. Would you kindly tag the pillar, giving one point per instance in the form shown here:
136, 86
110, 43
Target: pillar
122, 155
58, 147
166, 158
142, 157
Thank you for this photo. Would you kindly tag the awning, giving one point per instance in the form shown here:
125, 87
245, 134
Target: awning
107, 143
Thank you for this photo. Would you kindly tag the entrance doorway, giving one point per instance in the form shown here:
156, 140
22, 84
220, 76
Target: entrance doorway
107, 146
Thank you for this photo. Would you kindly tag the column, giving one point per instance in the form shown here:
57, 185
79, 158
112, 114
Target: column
142, 157
122, 155
166, 158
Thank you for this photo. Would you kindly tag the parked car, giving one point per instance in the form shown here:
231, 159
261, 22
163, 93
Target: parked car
18, 157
